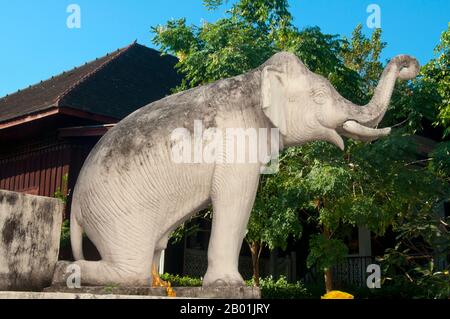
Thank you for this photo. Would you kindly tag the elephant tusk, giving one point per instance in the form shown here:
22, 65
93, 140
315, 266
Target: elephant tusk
364, 133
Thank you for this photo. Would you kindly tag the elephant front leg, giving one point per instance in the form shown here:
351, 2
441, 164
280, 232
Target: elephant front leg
233, 195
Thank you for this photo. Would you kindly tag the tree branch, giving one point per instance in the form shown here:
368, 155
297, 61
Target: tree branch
419, 161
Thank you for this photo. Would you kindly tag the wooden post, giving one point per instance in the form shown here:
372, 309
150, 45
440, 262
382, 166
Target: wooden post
328, 275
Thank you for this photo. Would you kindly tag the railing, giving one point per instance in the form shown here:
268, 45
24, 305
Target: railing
353, 271
196, 262
350, 272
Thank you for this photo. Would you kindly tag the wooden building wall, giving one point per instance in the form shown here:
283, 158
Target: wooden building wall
39, 169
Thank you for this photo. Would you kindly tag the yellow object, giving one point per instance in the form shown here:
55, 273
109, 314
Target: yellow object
336, 294
170, 292
158, 282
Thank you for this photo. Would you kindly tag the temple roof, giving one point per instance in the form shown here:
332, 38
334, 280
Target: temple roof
112, 86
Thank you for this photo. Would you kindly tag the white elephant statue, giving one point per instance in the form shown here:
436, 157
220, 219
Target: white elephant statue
131, 195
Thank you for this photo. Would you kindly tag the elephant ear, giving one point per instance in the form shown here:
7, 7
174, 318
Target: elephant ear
274, 96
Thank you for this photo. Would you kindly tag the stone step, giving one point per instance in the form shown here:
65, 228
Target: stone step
181, 292
7, 295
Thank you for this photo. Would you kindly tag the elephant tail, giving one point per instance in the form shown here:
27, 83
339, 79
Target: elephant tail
76, 237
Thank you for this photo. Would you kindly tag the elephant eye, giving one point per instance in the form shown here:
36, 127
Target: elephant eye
319, 95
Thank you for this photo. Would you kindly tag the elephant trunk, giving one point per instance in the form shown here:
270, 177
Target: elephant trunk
404, 67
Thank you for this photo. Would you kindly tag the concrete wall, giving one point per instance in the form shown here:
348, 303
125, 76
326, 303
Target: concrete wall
30, 228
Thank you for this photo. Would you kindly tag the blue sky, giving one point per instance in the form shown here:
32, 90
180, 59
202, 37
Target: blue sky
36, 43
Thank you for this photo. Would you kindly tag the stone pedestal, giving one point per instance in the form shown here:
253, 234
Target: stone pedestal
181, 292
59, 285
9, 295
30, 228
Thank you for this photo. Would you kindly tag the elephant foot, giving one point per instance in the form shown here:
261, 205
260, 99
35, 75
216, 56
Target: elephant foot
100, 273
233, 280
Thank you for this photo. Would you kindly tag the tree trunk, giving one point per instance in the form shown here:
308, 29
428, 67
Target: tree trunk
255, 248
328, 273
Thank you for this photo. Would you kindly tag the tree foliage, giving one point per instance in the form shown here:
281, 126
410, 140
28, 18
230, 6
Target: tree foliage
437, 74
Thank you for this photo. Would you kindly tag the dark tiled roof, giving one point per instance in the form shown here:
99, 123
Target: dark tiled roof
114, 85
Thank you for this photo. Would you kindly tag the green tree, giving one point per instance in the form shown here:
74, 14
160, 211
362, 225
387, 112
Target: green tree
362, 55
435, 93
401, 191
423, 237
437, 73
